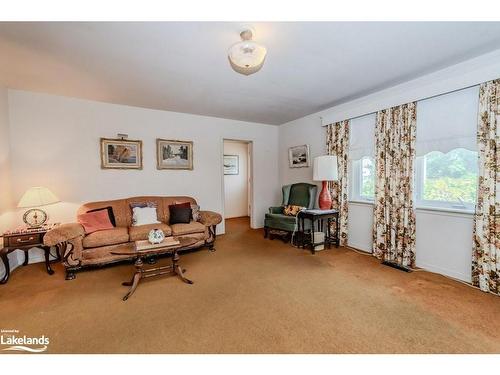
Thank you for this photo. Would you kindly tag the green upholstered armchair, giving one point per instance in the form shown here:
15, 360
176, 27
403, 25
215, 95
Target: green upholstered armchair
300, 194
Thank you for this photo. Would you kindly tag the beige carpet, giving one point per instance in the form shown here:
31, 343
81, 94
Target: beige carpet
254, 296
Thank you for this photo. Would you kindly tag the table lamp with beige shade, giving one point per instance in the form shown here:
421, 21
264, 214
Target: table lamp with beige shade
325, 169
36, 197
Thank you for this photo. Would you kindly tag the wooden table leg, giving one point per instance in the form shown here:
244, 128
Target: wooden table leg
135, 281
313, 251
50, 271
26, 257
5, 261
178, 269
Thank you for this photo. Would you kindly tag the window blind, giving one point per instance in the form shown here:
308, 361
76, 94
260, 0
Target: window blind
447, 122
362, 137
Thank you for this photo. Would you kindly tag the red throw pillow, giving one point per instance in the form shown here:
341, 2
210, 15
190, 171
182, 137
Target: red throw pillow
94, 221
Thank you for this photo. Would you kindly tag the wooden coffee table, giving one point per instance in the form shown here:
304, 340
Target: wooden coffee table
144, 249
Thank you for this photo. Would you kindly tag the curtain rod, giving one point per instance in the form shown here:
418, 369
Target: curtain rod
418, 100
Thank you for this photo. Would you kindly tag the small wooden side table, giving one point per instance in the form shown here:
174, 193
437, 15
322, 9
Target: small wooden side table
24, 240
317, 219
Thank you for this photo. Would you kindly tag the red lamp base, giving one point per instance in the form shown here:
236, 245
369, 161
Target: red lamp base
325, 199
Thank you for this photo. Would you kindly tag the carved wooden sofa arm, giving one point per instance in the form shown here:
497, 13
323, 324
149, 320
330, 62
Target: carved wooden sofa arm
210, 219
68, 239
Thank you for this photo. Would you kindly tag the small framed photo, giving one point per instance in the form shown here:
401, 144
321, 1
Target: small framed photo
231, 164
172, 154
298, 156
121, 154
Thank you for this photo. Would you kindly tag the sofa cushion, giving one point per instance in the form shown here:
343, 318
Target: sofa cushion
106, 237
111, 215
180, 213
292, 210
192, 227
141, 232
148, 201
95, 221
284, 222
121, 210
144, 216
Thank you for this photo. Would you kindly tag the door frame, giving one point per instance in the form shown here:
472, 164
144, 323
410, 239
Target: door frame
250, 181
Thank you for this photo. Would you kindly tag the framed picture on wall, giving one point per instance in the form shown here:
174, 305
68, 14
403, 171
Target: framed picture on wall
298, 156
231, 164
121, 154
172, 154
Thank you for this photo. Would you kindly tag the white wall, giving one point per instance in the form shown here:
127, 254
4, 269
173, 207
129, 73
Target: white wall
5, 182
6, 203
444, 240
236, 186
55, 143
444, 243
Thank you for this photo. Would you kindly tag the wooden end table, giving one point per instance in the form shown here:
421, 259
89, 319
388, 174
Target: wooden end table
143, 249
25, 239
317, 219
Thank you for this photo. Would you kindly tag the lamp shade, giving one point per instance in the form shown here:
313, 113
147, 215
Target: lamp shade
37, 196
325, 168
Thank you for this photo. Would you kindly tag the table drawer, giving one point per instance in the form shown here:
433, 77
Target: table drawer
24, 239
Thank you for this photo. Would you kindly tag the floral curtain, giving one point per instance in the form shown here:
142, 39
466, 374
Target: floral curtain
394, 215
486, 247
337, 143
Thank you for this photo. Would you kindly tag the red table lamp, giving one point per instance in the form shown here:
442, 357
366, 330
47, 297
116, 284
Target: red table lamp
325, 169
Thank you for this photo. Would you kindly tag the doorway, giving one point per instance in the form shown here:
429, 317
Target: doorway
237, 167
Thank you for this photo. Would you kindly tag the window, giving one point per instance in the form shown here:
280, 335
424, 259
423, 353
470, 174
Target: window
362, 163
447, 180
363, 179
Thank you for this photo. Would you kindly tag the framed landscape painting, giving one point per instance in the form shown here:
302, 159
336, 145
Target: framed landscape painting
174, 154
298, 156
231, 165
121, 154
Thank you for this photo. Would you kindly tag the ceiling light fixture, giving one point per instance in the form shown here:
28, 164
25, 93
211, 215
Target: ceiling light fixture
247, 57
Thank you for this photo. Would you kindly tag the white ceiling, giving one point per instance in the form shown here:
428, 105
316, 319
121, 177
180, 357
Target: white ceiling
183, 67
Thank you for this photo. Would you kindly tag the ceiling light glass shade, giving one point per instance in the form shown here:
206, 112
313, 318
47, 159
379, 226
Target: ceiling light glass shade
247, 57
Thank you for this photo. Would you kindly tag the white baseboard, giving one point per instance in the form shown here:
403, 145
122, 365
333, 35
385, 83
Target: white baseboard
445, 272
359, 247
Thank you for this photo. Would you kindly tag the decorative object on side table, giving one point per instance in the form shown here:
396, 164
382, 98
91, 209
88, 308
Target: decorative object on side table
298, 156
325, 169
121, 154
231, 165
36, 197
174, 154
25, 239
156, 236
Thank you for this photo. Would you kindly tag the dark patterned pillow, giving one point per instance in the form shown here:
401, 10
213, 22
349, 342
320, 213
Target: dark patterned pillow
180, 213
188, 205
